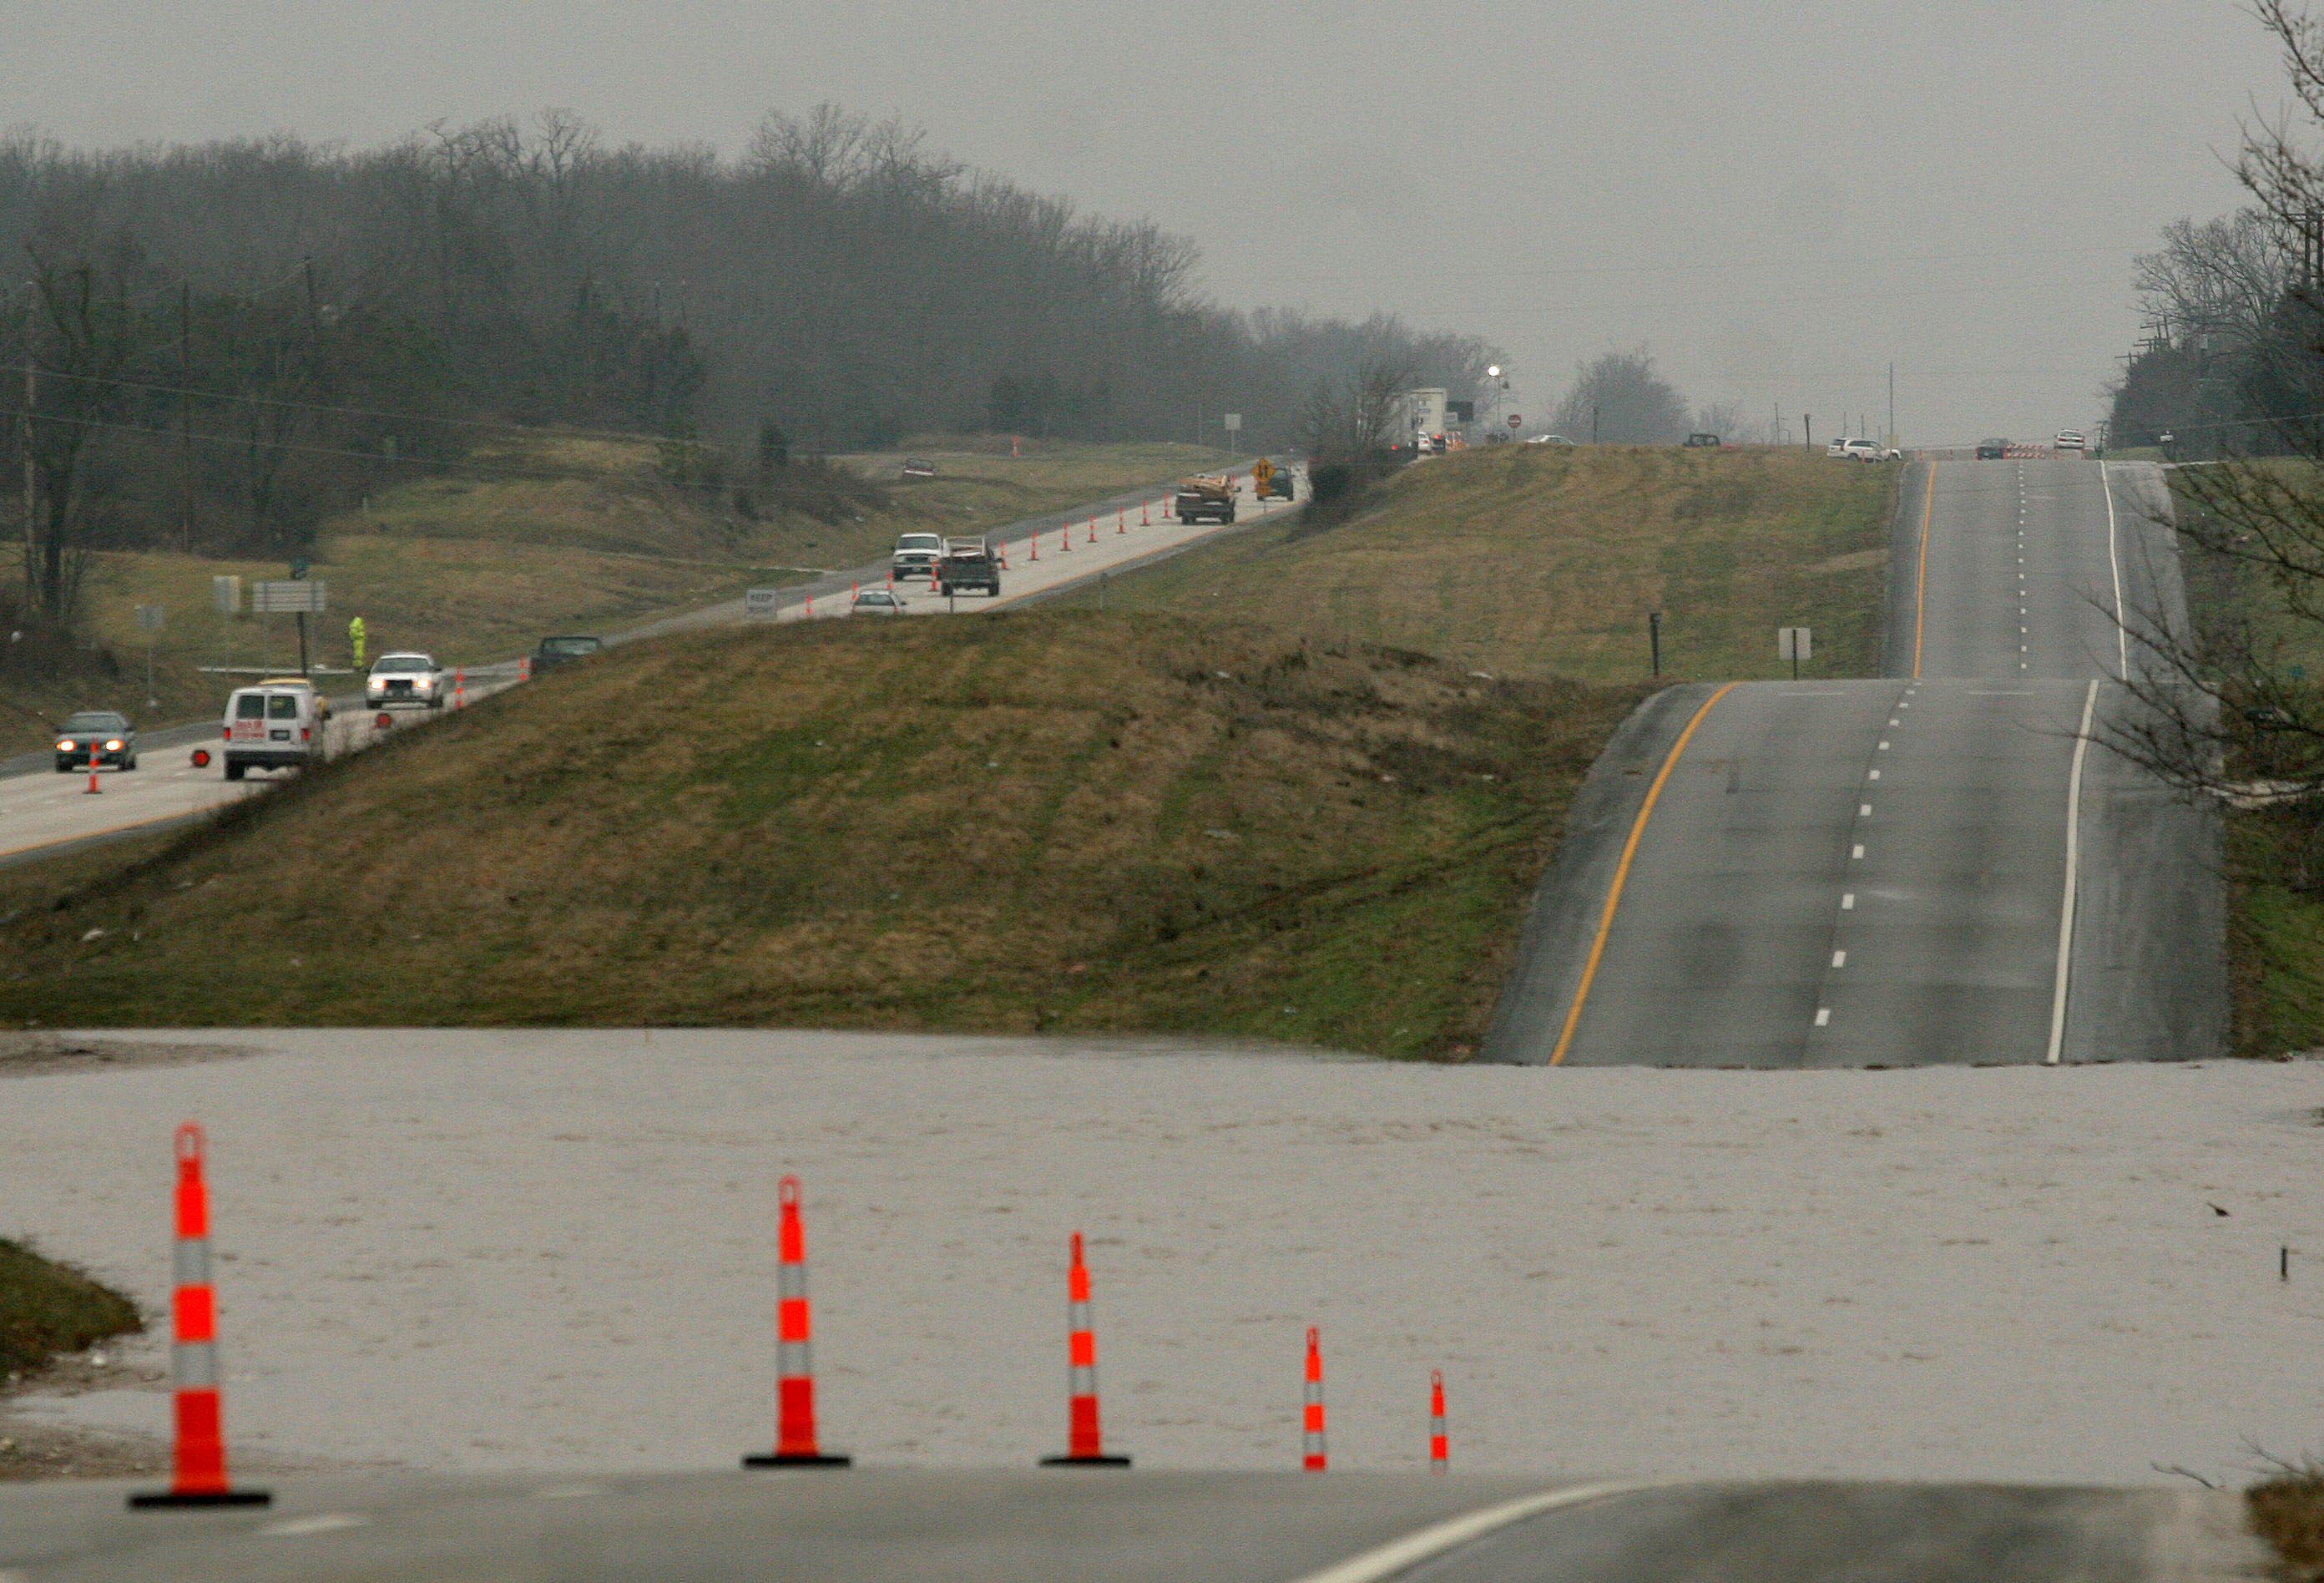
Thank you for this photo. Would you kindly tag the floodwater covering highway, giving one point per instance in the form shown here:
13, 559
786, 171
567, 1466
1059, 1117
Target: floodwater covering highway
1936, 867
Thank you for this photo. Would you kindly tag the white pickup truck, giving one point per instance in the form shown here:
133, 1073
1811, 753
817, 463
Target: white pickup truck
917, 555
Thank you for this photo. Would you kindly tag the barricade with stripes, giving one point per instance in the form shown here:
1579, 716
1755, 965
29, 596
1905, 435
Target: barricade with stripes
1312, 1415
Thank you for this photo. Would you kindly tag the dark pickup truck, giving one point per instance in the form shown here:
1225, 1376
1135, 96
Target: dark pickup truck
969, 566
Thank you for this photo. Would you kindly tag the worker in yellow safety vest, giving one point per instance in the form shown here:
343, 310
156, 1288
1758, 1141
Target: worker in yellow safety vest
355, 640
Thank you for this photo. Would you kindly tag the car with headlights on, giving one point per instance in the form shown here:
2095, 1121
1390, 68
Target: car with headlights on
878, 602
102, 733
406, 677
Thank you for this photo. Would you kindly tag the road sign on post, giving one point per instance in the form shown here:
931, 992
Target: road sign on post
225, 593
1517, 421
760, 604
1793, 643
303, 597
1234, 423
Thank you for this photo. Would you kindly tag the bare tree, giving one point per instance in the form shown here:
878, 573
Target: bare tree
1351, 421
2223, 710
1620, 399
77, 337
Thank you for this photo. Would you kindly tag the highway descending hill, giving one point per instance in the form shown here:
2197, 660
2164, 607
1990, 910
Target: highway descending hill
1937, 866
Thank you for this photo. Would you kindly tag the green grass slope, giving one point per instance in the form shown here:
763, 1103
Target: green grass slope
1037, 821
46, 1308
1544, 560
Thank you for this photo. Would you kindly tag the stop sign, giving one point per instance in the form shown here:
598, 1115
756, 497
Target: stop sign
1516, 421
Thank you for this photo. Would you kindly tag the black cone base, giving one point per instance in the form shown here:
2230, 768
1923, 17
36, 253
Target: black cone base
1084, 1461
778, 1460
152, 1499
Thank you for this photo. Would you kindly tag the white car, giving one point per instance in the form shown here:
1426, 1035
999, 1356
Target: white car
1549, 440
1862, 451
2071, 440
878, 602
406, 678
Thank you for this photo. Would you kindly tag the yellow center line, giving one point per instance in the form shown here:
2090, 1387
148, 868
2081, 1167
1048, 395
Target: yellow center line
1921, 583
1622, 875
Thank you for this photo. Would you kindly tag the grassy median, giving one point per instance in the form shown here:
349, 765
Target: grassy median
542, 535
1036, 821
1544, 560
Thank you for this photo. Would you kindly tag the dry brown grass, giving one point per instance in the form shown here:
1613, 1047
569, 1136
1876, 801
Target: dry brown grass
1545, 560
2288, 1511
1025, 822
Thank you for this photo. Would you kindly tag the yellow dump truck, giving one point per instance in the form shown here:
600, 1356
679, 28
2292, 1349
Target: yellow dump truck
1207, 495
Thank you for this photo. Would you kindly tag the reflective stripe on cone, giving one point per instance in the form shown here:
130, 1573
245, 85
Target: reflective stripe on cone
1085, 1442
795, 1440
198, 1454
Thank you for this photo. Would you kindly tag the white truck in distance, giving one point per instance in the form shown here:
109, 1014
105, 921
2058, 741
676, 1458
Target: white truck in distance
917, 555
1420, 417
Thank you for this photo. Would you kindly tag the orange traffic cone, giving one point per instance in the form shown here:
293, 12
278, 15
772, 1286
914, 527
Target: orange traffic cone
1093, 529
1065, 537
197, 1460
1312, 1427
1438, 1444
795, 1442
1144, 516
1085, 1445
92, 787
1121, 521
460, 688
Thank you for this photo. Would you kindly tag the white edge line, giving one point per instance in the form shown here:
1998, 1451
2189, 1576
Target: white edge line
1401, 1555
2113, 558
2073, 867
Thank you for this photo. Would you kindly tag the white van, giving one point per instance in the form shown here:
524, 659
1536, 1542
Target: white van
272, 729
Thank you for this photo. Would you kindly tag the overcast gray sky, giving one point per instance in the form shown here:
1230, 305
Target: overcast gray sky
1778, 198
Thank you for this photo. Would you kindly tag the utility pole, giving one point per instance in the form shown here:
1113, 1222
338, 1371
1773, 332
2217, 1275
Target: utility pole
31, 400
1892, 401
1593, 423
186, 414
1655, 639
1807, 429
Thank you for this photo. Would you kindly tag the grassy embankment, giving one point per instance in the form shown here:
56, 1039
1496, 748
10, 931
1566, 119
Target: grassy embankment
1122, 821
46, 1308
2275, 931
1543, 561
1042, 820
477, 568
